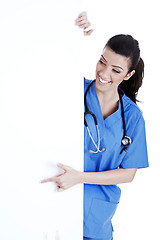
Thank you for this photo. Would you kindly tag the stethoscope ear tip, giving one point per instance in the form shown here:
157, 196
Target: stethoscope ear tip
90, 151
102, 150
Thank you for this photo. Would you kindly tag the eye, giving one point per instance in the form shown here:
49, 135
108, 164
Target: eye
114, 70
101, 62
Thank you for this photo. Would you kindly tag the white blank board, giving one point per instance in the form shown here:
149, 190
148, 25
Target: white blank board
41, 118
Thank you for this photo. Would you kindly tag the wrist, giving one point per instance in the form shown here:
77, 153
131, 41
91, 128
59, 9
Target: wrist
81, 177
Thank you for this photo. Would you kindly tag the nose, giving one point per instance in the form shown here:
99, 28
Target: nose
105, 73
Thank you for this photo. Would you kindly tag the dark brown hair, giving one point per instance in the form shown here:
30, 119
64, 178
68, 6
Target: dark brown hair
127, 46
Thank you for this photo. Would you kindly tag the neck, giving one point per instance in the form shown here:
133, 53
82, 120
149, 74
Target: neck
108, 101
108, 95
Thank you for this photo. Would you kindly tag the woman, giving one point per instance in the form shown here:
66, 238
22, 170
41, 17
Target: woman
115, 149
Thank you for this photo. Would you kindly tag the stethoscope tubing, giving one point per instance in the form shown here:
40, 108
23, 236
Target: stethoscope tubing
125, 142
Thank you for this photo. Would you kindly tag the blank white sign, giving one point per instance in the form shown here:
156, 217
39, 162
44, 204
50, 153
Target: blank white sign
41, 118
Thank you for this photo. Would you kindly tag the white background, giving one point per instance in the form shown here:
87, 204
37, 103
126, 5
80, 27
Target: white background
138, 212
40, 57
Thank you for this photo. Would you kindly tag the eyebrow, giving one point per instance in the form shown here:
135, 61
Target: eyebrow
112, 65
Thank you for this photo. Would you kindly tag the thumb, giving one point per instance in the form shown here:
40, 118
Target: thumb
64, 167
88, 33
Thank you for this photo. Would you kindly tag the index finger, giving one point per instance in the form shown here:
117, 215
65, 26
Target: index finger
51, 179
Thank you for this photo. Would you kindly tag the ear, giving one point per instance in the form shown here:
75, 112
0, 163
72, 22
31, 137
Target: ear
129, 75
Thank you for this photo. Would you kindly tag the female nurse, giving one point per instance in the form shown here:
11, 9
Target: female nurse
119, 72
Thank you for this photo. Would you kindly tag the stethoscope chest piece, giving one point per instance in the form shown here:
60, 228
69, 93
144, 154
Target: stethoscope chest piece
126, 141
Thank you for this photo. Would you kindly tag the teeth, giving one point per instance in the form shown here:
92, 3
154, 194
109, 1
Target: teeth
102, 81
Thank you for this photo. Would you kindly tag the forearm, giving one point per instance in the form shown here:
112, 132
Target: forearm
111, 177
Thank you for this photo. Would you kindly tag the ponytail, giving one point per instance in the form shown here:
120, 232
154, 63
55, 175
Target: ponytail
131, 86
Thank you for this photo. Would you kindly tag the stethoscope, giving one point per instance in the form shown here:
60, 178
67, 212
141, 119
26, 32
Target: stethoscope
126, 141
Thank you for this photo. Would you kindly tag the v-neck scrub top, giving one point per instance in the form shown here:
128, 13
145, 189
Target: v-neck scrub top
100, 201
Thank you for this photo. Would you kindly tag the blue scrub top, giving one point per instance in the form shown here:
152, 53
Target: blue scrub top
100, 201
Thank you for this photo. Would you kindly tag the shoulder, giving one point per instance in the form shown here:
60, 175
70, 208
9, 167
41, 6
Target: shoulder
132, 112
86, 83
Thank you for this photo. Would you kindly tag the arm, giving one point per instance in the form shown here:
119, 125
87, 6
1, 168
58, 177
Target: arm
71, 177
110, 177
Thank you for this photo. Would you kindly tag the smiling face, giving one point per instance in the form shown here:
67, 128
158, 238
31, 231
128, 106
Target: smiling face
111, 70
